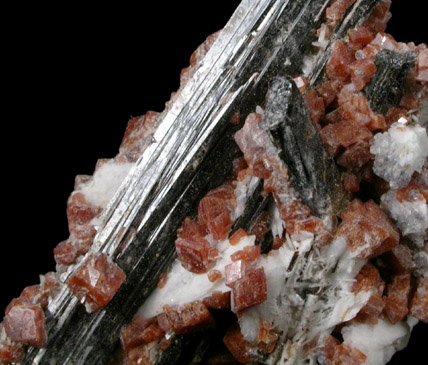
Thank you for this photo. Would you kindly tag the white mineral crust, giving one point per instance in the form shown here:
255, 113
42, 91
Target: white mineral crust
399, 152
378, 341
105, 182
411, 217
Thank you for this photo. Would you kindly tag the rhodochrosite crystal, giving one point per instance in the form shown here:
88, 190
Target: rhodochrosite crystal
275, 211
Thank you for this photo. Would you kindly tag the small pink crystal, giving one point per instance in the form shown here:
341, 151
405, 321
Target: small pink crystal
189, 318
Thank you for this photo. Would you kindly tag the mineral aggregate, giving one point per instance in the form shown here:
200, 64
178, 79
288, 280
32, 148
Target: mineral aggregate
334, 286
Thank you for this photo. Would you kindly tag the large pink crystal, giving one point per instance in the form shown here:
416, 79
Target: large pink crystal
367, 229
96, 281
25, 323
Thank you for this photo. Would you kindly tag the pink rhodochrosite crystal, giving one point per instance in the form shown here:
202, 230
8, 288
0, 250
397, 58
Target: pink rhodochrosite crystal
367, 229
96, 281
397, 299
214, 211
369, 279
189, 318
419, 304
249, 290
25, 323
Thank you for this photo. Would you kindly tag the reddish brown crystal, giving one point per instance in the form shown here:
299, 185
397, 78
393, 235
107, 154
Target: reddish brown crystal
345, 354
218, 300
331, 141
328, 348
397, 299
419, 304
379, 17
422, 66
367, 229
163, 322
214, 275
40, 293
10, 351
189, 318
193, 254
31, 294
138, 332
235, 271
336, 11
138, 135
328, 91
400, 259
250, 290
344, 133
340, 59
359, 37
355, 156
356, 108
368, 279
25, 323
394, 114
277, 242
315, 104
248, 253
96, 281
351, 183
235, 238
412, 192
361, 72
138, 355
79, 215
193, 250
214, 211
163, 277
67, 252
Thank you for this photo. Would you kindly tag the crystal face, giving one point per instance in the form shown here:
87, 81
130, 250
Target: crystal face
280, 239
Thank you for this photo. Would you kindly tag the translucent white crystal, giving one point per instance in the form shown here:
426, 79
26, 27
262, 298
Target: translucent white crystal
277, 224
378, 342
411, 217
399, 152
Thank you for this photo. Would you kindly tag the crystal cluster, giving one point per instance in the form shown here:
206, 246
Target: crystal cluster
312, 249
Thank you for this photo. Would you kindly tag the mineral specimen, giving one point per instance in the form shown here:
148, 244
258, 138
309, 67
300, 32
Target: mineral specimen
275, 212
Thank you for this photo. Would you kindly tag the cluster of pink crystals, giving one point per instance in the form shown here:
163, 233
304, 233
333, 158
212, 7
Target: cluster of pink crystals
136, 335
214, 211
367, 229
140, 333
24, 321
342, 113
247, 281
369, 280
214, 218
334, 353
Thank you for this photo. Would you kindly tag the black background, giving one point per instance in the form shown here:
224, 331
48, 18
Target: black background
72, 77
